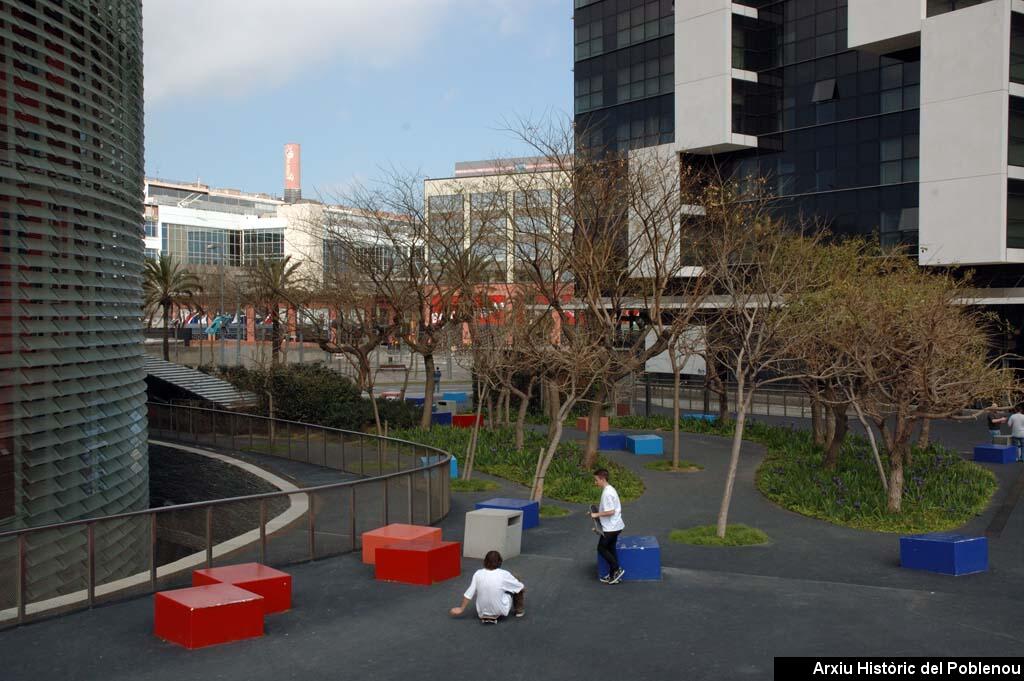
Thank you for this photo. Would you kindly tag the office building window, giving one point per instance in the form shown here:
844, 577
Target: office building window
447, 226
936, 7
589, 93
589, 40
488, 232
1015, 151
1017, 48
262, 244
647, 79
644, 22
1015, 214
532, 239
151, 227
153, 253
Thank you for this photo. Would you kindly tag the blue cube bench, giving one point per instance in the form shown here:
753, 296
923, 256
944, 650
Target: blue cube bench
441, 418
710, 418
639, 556
645, 444
995, 453
611, 442
458, 396
418, 401
530, 509
453, 468
945, 553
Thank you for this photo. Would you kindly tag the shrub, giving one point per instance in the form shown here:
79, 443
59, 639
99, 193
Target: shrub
496, 455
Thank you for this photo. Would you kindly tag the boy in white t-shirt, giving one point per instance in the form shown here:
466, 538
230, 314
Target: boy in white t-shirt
1016, 424
610, 513
496, 591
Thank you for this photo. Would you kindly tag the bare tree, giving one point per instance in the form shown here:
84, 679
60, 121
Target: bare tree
754, 266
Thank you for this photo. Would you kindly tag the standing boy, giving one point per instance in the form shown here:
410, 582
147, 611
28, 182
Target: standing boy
1016, 424
610, 513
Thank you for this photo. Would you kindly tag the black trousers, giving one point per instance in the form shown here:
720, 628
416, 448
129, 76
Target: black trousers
606, 547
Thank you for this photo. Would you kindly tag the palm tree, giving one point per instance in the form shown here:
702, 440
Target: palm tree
165, 285
271, 283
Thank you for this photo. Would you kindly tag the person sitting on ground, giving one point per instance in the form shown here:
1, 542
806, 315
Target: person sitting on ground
496, 591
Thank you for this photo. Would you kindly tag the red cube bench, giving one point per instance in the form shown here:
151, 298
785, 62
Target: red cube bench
396, 533
275, 586
466, 420
201, 616
419, 562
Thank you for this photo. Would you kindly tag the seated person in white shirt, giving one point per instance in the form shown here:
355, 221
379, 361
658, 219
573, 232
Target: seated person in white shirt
496, 591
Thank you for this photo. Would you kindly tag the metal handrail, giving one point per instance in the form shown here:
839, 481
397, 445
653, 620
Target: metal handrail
442, 462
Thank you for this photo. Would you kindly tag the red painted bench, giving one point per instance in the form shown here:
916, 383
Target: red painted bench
275, 586
466, 420
396, 533
202, 616
583, 423
419, 562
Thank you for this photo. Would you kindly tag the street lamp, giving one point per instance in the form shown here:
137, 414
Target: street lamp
220, 247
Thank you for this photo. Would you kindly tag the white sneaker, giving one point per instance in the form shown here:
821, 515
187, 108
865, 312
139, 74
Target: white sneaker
617, 577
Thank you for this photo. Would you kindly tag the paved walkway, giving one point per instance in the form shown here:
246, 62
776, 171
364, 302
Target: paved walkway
718, 613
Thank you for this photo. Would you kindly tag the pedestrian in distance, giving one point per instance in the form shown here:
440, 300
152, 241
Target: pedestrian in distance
609, 512
497, 592
1016, 424
994, 419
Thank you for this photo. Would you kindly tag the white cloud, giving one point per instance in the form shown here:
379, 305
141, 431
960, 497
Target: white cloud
238, 46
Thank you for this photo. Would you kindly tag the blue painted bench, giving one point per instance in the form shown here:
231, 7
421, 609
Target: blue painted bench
611, 442
639, 556
945, 553
995, 453
417, 401
458, 396
645, 444
441, 418
530, 509
710, 418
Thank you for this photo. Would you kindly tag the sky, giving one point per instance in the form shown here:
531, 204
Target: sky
362, 85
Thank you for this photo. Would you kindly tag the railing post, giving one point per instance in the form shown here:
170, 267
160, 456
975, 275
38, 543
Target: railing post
352, 516
233, 420
409, 501
90, 547
343, 466
22, 576
152, 551
308, 457
192, 425
387, 505
263, 530
430, 496
785, 410
311, 517
326, 433
362, 455
213, 426
288, 434
209, 536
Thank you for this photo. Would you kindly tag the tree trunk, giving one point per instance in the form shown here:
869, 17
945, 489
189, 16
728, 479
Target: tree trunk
838, 435
428, 390
593, 430
676, 386
899, 451
742, 403
167, 330
275, 341
405, 384
537, 493
874, 446
467, 468
376, 411
924, 437
524, 405
817, 425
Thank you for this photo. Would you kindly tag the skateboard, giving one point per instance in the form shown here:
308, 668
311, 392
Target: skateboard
597, 521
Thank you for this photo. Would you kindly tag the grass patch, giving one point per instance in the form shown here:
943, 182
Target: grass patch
665, 465
496, 455
705, 535
473, 485
942, 491
553, 512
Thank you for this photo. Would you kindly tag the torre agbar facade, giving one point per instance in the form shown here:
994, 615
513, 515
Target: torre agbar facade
901, 120
72, 389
